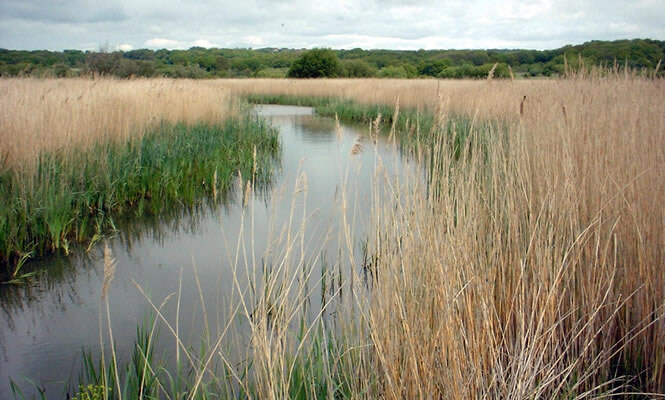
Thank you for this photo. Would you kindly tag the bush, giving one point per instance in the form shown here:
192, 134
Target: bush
315, 63
434, 68
357, 69
392, 71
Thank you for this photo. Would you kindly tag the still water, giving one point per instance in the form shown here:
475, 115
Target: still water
325, 172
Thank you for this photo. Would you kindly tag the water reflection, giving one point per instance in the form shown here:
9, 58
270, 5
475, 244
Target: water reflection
44, 326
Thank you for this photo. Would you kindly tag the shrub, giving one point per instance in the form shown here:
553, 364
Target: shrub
316, 63
392, 71
357, 69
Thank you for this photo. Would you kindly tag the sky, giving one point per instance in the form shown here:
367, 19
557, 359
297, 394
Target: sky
341, 24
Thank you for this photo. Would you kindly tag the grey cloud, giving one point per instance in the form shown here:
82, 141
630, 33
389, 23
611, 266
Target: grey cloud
412, 24
59, 11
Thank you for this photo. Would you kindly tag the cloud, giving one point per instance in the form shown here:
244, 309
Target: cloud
403, 24
59, 11
164, 43
254, 40
203, 43
124, 47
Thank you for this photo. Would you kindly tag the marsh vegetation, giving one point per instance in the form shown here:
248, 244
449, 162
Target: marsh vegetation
529, 263
77, 154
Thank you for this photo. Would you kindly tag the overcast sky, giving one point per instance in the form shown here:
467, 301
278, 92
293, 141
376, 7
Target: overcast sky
342, 24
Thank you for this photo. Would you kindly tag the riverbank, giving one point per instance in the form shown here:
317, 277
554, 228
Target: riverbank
72, 185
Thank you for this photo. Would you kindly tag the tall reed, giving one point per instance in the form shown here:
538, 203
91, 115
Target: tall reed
60, 115
115, 148
534, 270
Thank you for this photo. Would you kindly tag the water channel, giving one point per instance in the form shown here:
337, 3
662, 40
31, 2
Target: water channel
325, 170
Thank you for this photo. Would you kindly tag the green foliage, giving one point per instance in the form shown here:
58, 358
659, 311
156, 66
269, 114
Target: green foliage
198, 62
357, 69
475, 72
222, 63
91, 392
316, 63
457, 129
393, 72
117, 65
434, 68
323, 368
71, 197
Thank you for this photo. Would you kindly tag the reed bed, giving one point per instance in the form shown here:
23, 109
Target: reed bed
532, 266
528, 265
78, 153
536, 270
48, 115
466, 96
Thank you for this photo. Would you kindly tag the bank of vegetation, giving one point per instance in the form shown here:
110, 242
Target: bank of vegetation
198, 62
77, 154
534, 270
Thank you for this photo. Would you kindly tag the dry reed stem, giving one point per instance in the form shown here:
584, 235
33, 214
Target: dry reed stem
535, 270
60, 114
109, 271
490, 75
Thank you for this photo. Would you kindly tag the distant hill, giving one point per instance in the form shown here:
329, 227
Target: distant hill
198, 62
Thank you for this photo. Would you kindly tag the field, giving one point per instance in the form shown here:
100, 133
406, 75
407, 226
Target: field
529, 266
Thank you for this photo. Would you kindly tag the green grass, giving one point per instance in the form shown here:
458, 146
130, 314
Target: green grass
419, 133
73, 197
324, 367
413, 127
349, 110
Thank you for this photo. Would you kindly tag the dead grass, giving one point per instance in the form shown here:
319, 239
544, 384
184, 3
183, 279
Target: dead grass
50, 114
465, 96
536, 272
539, 271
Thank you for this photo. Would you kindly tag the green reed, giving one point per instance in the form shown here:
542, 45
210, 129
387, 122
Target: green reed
71, 197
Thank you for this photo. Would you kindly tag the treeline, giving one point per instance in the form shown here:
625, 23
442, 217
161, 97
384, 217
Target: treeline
198, 62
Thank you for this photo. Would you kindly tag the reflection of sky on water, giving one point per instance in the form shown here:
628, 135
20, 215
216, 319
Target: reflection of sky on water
44, 326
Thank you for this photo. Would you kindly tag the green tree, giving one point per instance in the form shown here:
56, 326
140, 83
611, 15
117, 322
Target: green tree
315, 63
393, 72
222, 63
357, 69
434, 68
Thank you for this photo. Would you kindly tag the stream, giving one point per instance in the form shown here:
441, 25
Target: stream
325, 171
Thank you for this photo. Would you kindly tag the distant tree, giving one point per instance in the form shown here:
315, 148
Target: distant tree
222, 63
536, 69
526, 56
411, 70
479, 57
253, 64
357, 69
103, 63
392, 72
60, 70
434, 68
140, 54
207, 62
74, 57
638, 53
315, 63
451, 73
180, 57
